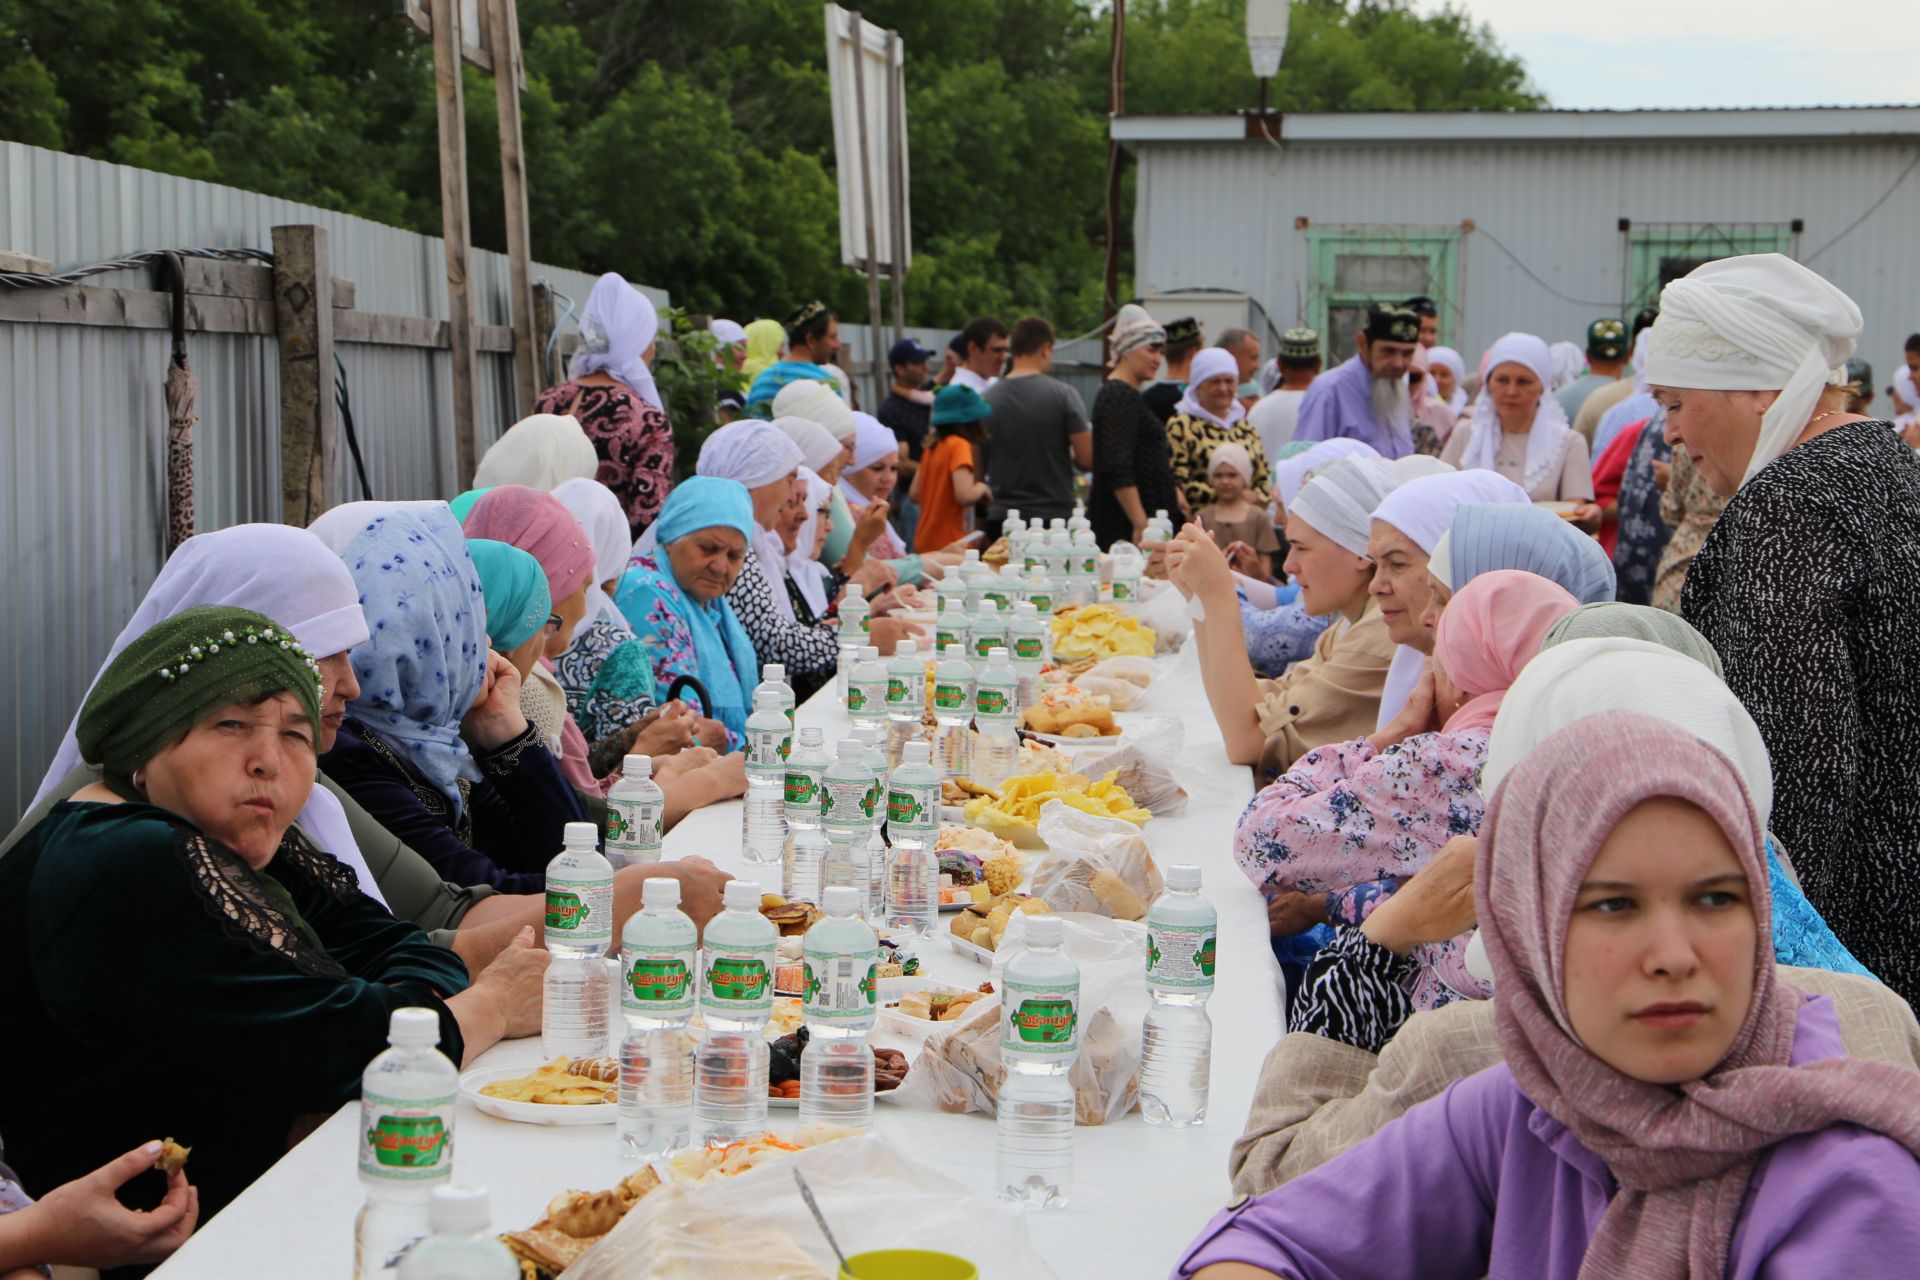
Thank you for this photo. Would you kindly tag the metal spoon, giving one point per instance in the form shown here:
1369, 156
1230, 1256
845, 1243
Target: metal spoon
813, 1206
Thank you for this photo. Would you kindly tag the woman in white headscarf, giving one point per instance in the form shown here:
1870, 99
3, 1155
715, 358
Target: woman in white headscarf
1207, 416
810, 584
1331, 696
539, 452
1519, 429
610, 389
1449, 373
1806, 584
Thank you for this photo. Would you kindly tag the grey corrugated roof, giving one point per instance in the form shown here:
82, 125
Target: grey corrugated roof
1731, 123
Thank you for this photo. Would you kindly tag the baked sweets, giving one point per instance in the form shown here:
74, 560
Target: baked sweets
173, 1157
938, 1006
1070, 711
555, 1084
575, 1221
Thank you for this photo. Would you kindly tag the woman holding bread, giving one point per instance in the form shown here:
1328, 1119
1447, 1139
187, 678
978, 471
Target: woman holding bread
185, 961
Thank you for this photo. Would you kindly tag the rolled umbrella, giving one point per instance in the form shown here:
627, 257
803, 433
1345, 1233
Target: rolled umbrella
183, 393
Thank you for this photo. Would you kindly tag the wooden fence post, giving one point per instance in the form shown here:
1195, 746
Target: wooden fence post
457, 232
303, 328
527, 380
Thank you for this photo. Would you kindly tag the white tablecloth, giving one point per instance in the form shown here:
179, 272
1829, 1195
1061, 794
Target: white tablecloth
1140, 1193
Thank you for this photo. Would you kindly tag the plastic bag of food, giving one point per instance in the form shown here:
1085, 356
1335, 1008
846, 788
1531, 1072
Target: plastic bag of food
959, 1068
1166, 613
757, 1226
1143, 764
1097, 866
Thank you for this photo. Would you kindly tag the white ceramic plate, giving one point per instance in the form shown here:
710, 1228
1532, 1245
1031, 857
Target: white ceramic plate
529, 1112
891, 989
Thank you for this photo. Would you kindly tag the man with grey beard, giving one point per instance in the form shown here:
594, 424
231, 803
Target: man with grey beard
1366, 398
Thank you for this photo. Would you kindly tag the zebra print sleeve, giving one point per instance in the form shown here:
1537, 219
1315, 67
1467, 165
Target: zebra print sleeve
1355, 991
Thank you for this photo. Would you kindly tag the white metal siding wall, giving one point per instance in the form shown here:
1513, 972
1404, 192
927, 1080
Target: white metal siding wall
83, 422
1223, 215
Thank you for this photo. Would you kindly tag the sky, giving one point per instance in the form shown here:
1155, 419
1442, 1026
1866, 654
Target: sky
1710, 53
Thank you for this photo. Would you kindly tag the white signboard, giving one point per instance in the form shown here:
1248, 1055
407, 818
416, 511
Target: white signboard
864, 69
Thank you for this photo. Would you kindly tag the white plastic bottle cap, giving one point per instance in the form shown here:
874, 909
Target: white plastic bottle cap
869, 652
842, 900
458, 1211
847, 749
1025, 609
1183, 876
855, 591
659, 891
1045, 931
997, 657
917, 753
413, 1028
580, 835
637, 767
739, 895
774, 673
905, 649
957, 651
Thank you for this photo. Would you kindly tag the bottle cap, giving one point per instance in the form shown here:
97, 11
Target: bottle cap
765, 699
869, 652
847, 749
774, 673
905, 649
989, 608
659, 892
1013, 513
637, 767
813, 737
866, 735
917, 753
841, 900
1025, 609
855, 591
996, 657
580, 835
1183, 876
413, 1028
957, 651
739, 895
458, 1211
1045, 931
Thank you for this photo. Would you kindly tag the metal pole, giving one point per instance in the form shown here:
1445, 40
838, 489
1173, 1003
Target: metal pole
897, 183
854, 36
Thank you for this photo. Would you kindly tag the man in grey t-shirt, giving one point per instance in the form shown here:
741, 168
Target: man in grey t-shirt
1039, 429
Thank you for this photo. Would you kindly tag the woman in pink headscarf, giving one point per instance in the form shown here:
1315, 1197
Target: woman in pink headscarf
1668, 1106
1337, 833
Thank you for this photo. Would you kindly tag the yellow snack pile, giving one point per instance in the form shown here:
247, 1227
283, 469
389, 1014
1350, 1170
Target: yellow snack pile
1020, 798
1099, 631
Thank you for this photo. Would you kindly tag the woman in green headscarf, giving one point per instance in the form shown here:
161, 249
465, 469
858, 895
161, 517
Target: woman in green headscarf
193, 964
766, 340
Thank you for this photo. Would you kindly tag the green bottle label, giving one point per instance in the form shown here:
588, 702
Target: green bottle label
741, 978
990, 702
802, 791
950, 697
657, 982
1041, 1018
1029, 648
406, 1141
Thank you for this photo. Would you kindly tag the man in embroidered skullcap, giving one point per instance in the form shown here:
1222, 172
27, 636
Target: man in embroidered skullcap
813, 339
1607, 351
1366, 398
1806, 584
1293, 371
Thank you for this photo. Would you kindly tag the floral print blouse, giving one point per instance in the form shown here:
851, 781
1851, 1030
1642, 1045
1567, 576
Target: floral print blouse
1352, 823
632, 437
1281, 636
608, 676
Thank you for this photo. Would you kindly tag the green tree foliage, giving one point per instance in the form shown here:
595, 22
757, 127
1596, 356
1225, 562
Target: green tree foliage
689, 144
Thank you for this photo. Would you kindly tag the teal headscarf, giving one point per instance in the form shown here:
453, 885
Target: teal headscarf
653, 601
957, 403
464, 503
518, 602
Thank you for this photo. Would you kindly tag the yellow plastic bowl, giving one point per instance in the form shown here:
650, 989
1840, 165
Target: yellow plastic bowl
908, 1264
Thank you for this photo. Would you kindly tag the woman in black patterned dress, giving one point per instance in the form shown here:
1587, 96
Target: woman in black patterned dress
1806, 584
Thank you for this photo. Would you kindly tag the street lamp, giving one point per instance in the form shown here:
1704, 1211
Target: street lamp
1266, 40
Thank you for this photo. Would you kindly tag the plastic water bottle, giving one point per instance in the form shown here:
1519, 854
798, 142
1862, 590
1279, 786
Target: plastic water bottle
1083, 569
1001, 589
1078, 520
950, 600
996, 711
1040, 1037
577, 998
906, 697
763, 820
773, 675
805, 845
658, 960
867, 690
1027, 647
406, 1139
989, 630
1177, 1038
847, 783
1128, 567
842, 980
869, 870
1033, 551
913, 819
953, 711
460, 1247
1039, 591
636, 815
1059, 550
854, 628
736, 997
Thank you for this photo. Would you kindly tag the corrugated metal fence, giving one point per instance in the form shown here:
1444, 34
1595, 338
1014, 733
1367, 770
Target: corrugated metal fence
83, 422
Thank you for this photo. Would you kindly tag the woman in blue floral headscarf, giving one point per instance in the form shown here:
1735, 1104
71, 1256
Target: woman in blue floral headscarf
436, 747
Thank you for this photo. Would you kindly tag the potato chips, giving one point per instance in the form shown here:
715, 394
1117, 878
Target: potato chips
1099, 631
1020, 798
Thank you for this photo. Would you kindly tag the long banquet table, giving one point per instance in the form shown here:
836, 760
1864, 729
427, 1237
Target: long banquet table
1140, 1193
